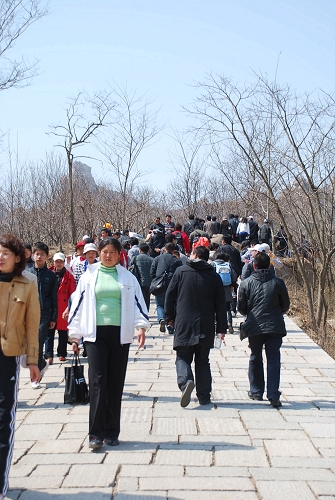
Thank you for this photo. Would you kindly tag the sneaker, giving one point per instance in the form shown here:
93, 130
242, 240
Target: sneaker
230, 328
186, 394
61, 358
276, 403
35, 385
112, 441
162, 326
95, 443
255, 397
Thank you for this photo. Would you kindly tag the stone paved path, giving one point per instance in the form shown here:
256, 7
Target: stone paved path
232, 449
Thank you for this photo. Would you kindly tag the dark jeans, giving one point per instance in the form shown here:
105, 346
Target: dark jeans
203, 376
256, 369
9, 383
229, 315
160, 299
42, 335
107, 362
146, 295
62, 343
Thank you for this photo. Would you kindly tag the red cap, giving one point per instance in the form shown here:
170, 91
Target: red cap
80, 244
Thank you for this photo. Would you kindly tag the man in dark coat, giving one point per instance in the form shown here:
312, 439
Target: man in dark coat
263, 298
193, 303
265, 234
254, 228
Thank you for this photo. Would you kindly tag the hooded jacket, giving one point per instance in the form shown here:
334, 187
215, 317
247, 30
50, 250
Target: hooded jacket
194, 301
263, 298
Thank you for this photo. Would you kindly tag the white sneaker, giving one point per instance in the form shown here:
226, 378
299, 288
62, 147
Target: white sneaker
35, 385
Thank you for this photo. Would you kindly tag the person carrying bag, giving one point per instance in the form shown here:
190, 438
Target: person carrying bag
76, 390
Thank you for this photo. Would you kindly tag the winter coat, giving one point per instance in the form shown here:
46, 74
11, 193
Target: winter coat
235, 257
19, 318
253, 230
263, 298
190, 226
165, 263
265, 232
47, 291
194, 302
143, 261
66, 288
82, 316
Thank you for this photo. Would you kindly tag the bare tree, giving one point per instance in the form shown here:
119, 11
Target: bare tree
286, 142
133, 127
78, 131
16, 16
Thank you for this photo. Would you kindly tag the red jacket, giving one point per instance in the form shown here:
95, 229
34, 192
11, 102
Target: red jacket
186, 241
66, 288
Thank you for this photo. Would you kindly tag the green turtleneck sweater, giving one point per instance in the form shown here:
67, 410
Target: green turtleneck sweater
108, 297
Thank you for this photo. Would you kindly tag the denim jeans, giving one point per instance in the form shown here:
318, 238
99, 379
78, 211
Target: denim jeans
160, 299
256, 368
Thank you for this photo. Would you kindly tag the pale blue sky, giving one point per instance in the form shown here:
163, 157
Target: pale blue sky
161, 47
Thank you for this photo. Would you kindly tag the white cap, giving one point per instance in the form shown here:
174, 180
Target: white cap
59, 256
259, 248
90, 246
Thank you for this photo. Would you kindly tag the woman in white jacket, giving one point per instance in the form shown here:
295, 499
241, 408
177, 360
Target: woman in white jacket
106, 308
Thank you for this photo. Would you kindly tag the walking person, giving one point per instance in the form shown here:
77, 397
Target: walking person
263, 298
141, 265
106, 308
47, 293
66, 286
194, 307
165, 263
19, 320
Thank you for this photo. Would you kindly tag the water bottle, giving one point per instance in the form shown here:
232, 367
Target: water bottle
217, 341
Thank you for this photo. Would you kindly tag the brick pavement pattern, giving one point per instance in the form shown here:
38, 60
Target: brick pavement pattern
234, 448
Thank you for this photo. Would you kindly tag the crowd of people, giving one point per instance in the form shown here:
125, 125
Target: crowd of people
98, 296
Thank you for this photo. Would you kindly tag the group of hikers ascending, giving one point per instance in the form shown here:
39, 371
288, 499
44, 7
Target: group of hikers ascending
200, 274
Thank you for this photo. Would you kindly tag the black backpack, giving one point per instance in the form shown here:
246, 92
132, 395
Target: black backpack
179, 241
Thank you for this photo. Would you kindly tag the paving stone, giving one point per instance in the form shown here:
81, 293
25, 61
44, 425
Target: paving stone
183, 457
152, 470
193, 483
61, 458
212, 495
292, 490
51, 469
57, 446
89, 476
174, 426
240, 456
144, 495
291, 474
287, 448
134, 458
127, 484
319, 429
40, 431
217, 426
20, 470
216, 471
13, 494
36, 482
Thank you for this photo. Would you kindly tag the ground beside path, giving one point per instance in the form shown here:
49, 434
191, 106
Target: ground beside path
232, 449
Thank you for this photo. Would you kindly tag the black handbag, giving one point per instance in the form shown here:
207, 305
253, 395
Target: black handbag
159, 284
76, 390
133, 268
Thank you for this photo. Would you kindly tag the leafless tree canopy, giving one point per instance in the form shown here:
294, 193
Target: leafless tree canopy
15, 18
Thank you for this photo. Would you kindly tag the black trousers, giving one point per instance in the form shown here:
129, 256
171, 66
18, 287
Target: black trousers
256, 368
146, 295
107, 365
9, 383
62, 343
42, 335
203, 376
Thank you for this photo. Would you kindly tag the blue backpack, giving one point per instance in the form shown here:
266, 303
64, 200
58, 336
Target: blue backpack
224, 272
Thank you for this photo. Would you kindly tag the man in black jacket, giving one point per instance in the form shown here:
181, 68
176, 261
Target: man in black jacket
263, 298
47, 292
165, 263
194, 300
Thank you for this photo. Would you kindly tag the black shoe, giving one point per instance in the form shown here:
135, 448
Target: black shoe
95, 443
204, 402
186, 394
112, 441
255, 397
275, 403
162, 326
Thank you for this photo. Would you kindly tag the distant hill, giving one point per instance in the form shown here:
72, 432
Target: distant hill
84, 171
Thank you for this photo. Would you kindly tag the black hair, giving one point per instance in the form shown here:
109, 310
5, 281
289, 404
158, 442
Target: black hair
201, 252
170, 238
144, 247
168, 215
39, 245
89, 240
191, 216
208, 217
178, 227
28, 246
221, 255
214, 218
214, 246
169, 247
254, 242
15, 245
110, 241
262, 260
133, 241
227, 239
